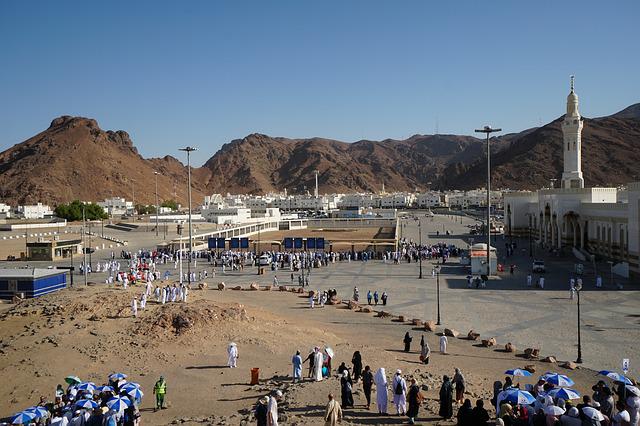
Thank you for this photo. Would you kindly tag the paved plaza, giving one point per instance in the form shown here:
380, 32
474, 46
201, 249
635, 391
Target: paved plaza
506, 309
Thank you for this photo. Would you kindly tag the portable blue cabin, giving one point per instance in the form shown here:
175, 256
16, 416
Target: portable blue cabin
31, 282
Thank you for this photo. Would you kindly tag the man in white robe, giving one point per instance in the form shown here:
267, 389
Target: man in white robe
317, 365
382, 397
443, 344
134, 307
164, 295
272, 408
232, 351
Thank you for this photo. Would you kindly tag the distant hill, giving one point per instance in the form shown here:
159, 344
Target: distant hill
74, 158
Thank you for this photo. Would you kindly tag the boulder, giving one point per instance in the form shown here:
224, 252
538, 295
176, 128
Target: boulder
300, 290
221, 286
509, 347
401, 318
531, 353
383, 314
569, 364
551, 359
353, 305
472, 335
366, 309
202, 286
451, 332
530, 368
254, 287
238, 287
334, 300
430, 325
416, 322
489, 342
283, 288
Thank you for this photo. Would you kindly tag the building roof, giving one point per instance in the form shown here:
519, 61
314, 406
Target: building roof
29, 273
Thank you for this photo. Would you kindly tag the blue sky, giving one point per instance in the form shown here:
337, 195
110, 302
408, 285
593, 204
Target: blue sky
203, 73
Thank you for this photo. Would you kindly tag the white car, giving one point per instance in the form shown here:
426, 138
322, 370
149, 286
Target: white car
538, 266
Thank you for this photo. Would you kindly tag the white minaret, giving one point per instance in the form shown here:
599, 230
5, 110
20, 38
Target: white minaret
315, 192
572, 143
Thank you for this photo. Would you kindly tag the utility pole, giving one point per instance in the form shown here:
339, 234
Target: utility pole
488, 130
84, 247
189, 150
157, 205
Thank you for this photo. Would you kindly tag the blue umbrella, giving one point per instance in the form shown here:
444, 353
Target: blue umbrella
86, 386
557, 379
564, 393
23, 417
517, 396
130, 385
105, 389
40, 412
117, 376
616, 376
134, 393
87, 403
518, 372
118, 403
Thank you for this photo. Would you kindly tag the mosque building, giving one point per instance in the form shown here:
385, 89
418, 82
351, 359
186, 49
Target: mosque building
588, 222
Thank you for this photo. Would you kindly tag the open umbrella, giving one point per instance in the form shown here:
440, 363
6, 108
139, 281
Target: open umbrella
592, 413
23, 417
118, 403
554, 410
117, 376
557, 379
517, 396
40, 412
564, 393
634, 390
518, 372
134, 393
130, 385
88, 404
329, 351
72, 380
615, 376
86, 386
102, 389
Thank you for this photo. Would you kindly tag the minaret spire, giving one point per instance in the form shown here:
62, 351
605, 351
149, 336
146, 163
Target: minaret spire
572, 142
572, 80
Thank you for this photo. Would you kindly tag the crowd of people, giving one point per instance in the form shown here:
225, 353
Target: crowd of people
114, 403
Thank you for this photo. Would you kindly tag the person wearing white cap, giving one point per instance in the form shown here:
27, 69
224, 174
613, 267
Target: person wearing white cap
317, 364
399, 393
272, 408
232, 351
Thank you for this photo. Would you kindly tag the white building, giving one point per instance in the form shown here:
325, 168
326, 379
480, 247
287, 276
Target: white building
37, 211
116, 206
588, 221
5, 211
432, 199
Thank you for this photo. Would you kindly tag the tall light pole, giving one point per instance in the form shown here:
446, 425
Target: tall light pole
84, 247
420, 245
578, 288
189, 150
488, 130
437, 268
157, 205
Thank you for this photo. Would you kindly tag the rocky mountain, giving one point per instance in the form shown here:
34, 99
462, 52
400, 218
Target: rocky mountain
75, 159
610, 156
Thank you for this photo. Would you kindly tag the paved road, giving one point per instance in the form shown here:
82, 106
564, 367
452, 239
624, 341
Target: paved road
506, 309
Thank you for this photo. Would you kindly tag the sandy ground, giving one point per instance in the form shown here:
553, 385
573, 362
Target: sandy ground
90, 332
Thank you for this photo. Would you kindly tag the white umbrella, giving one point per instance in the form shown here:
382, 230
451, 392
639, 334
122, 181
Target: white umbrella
329, 351
554, 410
592, 413
634, 390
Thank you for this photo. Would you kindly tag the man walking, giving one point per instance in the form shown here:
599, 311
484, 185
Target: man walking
160, 390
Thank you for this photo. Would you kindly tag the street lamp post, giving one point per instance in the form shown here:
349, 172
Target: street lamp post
189, 150
437, 268
611, 272
157, 205
420, 245
578, 288
488, 130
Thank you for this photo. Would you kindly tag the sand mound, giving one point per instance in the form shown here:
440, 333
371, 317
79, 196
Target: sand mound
178, 319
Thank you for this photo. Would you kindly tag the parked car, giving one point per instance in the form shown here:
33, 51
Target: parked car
538, 266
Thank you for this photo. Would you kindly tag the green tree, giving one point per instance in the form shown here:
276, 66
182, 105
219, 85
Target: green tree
170, 203
145, 209
73, 211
